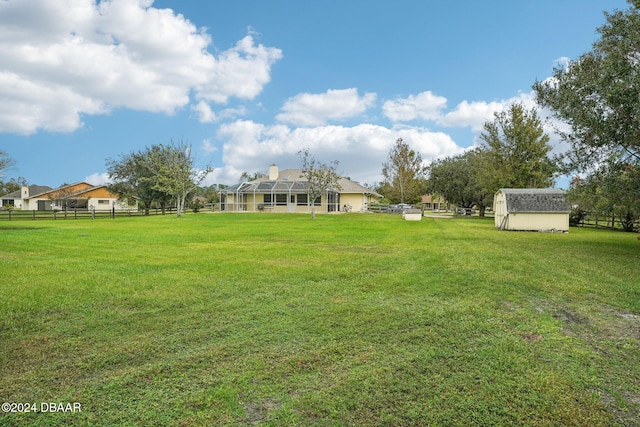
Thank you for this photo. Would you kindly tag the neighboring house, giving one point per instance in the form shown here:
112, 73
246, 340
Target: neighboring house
81, 195
531, 209
287, 191
15, 199
435, 203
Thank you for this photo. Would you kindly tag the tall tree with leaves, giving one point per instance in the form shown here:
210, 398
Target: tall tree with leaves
610, 192
14, 184
321, 177
173, 171
597, 95
456, 180
131, 179
516, 151
404, 174
5, 163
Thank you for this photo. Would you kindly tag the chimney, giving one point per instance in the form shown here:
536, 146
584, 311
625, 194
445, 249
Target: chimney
25, 192
273, 173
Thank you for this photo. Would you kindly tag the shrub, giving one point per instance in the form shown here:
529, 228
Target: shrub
576, 216
196, 205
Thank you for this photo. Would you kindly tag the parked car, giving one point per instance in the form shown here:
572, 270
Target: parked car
399, 208
466, 211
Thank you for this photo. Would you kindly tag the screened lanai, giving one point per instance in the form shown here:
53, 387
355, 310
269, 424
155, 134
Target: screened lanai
280, 196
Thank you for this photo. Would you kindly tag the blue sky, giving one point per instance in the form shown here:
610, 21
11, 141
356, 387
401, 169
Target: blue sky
251, 83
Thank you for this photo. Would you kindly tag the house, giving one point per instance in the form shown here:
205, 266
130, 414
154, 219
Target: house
531, 209
81, 195
15, 198
433, 202
287, 191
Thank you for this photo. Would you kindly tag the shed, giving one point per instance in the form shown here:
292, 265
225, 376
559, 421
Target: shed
531, 209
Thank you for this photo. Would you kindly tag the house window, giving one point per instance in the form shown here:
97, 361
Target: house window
103, 202
303, 199
318, 201
278, 200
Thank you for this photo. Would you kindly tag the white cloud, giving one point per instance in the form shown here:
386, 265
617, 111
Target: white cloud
62, 59
423, 106
307, 109
232, 113
208, 147
98, 179
426, 106
563, 62
206, 115
239, 72
361, 149
471, 114
204, 112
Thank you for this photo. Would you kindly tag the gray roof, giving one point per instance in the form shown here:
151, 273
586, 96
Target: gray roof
33, 190
294, 181
535, 200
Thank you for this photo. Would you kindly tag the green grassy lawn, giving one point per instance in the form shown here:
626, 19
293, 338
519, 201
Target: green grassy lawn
267, 319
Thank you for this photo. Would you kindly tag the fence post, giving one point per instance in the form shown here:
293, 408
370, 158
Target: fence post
34, 215
54, 215
9, 215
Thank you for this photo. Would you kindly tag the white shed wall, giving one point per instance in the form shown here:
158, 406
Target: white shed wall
537, 221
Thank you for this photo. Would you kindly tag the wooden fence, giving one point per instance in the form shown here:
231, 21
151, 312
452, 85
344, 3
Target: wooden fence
612, 223
18, 215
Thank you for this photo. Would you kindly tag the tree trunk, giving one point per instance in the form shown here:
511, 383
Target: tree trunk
179, 204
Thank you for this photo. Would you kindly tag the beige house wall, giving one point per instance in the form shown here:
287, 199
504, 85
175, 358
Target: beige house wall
106, 204
32, 204
358, 202
251, 203
92, 203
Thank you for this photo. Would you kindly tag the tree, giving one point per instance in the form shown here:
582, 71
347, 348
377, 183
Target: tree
611, 191
597, 95
322, 177
5, 163
131, 179
14, 184
246, 176
456, 180
173, 172
516, 151
403, 174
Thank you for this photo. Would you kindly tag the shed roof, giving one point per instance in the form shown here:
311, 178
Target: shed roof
535, 200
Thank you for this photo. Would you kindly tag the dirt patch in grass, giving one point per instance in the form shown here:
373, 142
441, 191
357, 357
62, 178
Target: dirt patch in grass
530, 337
569, 318
613, 336
258, 412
